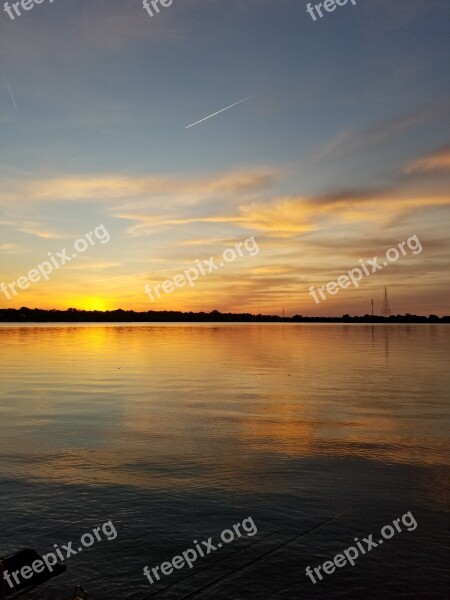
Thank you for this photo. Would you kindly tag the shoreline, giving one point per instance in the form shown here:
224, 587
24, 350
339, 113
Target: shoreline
27, 315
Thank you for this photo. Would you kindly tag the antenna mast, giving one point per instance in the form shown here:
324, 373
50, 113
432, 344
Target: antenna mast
385, 308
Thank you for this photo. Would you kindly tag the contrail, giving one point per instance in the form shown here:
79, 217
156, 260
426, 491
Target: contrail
9, 87
12, 97
220, 111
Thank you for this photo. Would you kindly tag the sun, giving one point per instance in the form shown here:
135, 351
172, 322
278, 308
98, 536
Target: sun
94, 304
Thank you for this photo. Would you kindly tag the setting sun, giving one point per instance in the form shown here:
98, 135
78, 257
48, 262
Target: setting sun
93, 304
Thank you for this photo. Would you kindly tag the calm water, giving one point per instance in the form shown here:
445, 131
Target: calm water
176, 432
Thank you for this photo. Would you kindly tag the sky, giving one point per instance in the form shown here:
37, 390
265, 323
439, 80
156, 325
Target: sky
340, 152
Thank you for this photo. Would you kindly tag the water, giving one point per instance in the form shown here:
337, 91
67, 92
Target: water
177, 432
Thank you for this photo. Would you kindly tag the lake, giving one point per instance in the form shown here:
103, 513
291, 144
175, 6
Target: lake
320, 433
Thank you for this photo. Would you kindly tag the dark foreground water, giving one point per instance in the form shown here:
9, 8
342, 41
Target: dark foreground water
177, 432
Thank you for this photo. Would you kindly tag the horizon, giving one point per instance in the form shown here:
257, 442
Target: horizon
295, 317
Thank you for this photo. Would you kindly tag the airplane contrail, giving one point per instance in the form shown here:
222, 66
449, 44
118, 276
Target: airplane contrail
220, 111
12, 97
9, 87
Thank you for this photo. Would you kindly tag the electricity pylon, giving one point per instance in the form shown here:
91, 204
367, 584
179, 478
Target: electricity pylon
385, 308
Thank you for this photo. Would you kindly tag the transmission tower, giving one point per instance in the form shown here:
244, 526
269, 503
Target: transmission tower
385, 308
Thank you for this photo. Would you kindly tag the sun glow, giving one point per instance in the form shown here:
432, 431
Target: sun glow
94, 304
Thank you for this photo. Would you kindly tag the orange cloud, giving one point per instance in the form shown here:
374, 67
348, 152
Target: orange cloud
285, 216
438, 161
186, 191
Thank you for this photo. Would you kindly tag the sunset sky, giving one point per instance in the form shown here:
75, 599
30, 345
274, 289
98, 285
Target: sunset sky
341, 152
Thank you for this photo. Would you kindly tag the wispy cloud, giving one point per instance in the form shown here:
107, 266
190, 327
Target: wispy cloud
348, 142
436, 162
298, 214
40, 233
187, 191
10, 249
95, 266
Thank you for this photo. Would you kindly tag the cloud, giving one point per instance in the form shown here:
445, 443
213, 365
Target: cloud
289, 216
185, 191
436, 162
97, 266
283, 217
306, 214
10, 249
357, 141
239, 199
33, 228
46, 235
